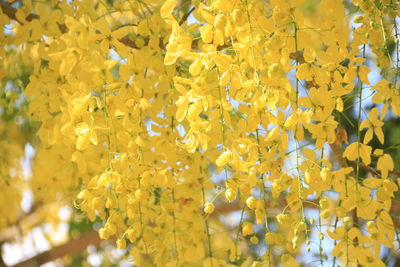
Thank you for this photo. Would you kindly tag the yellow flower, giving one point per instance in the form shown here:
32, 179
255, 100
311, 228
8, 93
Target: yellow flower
209, 208
355, 150
385, 164
247, 228
374, 125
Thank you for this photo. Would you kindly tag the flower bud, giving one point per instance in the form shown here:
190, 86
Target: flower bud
209, 208
230, 194
251, 202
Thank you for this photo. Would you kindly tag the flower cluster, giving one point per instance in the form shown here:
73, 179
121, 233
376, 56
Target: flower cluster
161, 117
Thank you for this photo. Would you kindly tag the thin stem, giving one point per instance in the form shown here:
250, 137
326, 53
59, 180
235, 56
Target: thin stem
174, 228
358, 126
184, 18
237, 235
319, 221
207, 229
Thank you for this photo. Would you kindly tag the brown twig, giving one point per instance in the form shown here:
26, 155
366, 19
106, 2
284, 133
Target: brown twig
11, 13
370, 169
184, 18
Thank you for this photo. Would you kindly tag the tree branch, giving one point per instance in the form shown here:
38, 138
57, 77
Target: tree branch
92, 237
72, 247
14, 230
370, 169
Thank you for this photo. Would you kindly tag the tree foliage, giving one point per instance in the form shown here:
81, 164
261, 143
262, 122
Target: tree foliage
208, 133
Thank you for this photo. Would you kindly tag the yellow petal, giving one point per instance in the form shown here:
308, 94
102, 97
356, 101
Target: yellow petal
309, 154
224, 159
194, 110
67, 64
82, 128
93, 138
219, 38
195, 67
167, 8
122, 32
385, 164
206, 33
225, 77
351, 151
339, 104
104, 179
309, 55
182, 108
363, 74
372, 182
365, 153
247, 228
380, 135
170, 58
82, 142
368, 136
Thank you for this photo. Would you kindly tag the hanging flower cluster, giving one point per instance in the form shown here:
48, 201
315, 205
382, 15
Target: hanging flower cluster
161, 122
